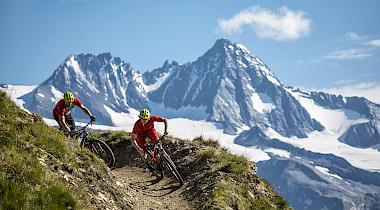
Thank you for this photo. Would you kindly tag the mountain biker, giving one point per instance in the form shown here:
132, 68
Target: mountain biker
62, 114
144, 128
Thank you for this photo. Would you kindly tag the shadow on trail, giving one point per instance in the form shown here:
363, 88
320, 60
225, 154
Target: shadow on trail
126, 155
154, 182
153, 188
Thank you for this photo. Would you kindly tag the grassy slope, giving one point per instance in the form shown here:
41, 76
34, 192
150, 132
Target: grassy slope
42, 169
235, 184
23, 181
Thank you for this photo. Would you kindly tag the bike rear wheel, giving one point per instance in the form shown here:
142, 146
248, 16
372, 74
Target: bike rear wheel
103, 151
170, 166
155, 165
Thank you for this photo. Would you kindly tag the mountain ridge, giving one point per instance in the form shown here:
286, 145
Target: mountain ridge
229, 75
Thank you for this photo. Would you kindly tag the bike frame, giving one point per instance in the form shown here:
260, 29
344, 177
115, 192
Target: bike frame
81, 132
159, 158
155, 150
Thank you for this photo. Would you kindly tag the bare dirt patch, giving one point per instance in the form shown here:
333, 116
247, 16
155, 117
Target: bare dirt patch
149, 191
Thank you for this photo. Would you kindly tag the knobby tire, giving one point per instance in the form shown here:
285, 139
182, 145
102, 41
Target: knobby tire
103, 151
172, 168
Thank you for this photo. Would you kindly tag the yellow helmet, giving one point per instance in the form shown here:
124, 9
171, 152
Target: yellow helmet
144, 114
68, 97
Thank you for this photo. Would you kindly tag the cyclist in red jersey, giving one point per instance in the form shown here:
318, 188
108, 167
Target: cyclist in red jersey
62, 114
144, 128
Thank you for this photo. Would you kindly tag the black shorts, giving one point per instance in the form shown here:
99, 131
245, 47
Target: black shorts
69, 121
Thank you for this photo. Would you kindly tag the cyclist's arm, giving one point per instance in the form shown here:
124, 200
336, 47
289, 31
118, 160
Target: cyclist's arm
166, 126
63, 123
85, 110
134, 143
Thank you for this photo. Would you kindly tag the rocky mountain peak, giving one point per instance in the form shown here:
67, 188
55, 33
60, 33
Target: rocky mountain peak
221, 44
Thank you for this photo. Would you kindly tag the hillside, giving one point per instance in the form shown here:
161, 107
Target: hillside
42, 169
213, 177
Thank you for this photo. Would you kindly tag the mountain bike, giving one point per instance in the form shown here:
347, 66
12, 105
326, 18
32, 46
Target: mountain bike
98, 147
158, 160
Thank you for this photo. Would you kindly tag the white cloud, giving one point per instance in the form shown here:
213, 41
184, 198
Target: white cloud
374, 42
281, 26
354, 37
347, 54
343, 82
368, 90
351, 36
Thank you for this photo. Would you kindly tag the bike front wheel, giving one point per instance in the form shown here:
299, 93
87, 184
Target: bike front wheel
170, 166
103, 151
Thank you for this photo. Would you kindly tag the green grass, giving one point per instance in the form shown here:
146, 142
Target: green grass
236, 174
223, 160
228, 194
208, 142
113, 137
25, 182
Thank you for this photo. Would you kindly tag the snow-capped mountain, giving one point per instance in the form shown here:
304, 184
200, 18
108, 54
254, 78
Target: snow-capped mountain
363, 134
102, 83
321, 150
313, 179
236, 89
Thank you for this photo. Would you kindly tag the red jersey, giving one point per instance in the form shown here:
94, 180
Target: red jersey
62, 109
141, 129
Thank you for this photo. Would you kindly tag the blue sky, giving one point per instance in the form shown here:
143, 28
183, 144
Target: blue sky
316, 45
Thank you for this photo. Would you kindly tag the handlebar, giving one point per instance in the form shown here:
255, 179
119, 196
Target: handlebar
155, 143
162, 138
84, 127
74, 133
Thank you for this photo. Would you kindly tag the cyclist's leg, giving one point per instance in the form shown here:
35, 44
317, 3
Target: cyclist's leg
153, 136
57, 119
70, 121
141, 140
141, 143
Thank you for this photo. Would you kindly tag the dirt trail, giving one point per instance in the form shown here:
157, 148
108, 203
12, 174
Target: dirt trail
151, 192
148, 191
